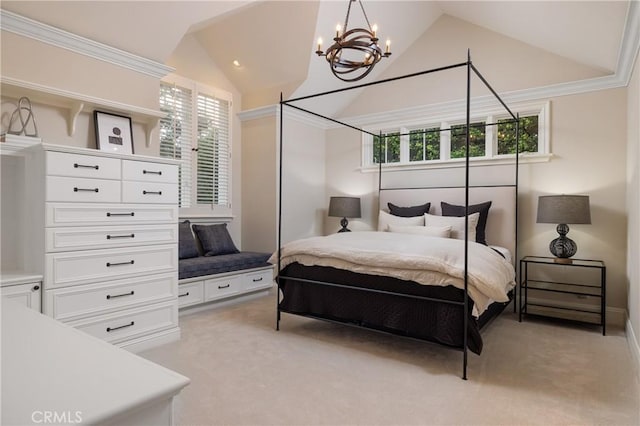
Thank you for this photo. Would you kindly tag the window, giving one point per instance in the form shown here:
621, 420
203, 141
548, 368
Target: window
196, 131
491, 138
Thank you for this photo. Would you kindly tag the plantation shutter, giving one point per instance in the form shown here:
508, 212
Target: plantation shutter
213, 151
176, 134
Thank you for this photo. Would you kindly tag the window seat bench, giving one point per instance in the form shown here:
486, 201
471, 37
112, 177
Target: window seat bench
204, 278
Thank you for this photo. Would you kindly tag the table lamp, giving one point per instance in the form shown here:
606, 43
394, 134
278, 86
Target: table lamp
344, 207
563, 210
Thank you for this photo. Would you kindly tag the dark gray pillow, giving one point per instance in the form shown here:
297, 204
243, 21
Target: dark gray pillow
482, 208
187, 246
215, 239
412, 211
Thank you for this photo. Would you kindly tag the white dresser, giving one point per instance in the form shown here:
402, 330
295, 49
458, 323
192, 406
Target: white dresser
104, 234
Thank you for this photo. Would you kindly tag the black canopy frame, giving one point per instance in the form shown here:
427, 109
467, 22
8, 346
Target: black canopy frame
468, 64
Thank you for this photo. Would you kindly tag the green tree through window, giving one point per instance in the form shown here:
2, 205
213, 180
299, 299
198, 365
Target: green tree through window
528, 135
390, 148
476, 140
424, 144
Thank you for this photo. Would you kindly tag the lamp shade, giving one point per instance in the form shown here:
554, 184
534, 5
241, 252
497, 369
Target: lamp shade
565, 209
344, 207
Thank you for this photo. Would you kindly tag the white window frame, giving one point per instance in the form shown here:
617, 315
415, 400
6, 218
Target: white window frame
204, 210
491, 157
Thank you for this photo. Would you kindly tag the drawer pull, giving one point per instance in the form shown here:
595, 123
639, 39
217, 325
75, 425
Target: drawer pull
151, 172
109, 237
82, 166
76, 189
183, 294
257, 280
109, 297
120, 214
110, 329
35, 288
120, 263
152, 192
220, 287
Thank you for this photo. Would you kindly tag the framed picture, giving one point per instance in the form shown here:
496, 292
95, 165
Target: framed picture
113, 132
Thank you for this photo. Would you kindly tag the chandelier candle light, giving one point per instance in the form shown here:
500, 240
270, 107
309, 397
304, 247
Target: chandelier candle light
354, 50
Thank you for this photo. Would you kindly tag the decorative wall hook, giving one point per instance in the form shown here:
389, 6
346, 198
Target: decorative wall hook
24, 108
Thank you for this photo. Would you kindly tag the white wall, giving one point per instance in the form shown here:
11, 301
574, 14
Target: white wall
633, 209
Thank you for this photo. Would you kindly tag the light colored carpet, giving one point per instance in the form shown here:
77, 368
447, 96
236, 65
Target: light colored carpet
311, 372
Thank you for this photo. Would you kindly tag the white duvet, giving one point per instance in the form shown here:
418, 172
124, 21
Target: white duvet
425, 260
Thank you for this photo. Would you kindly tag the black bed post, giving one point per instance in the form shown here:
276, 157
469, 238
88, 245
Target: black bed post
379, 169
515, 250
466, 223
279, 239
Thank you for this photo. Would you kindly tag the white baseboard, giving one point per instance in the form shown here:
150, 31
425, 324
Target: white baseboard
214, 304
634, 347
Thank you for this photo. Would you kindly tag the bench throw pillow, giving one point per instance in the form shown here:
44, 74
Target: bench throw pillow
215, 239
187, 247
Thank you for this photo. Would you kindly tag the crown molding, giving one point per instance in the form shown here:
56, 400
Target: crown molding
290, 114
30, 28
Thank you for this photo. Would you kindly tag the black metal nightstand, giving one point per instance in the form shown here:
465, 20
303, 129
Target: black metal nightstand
598, 290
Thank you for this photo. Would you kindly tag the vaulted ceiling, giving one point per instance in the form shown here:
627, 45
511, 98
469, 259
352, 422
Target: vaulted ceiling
274, 40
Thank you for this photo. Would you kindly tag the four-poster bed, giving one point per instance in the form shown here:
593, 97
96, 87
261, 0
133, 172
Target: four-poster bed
425, 287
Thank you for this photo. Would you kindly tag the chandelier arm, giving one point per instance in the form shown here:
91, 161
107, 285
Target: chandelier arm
364, 13
346, 19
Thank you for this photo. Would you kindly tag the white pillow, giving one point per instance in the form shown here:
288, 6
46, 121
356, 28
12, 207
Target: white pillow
385, 219
429, 231
456, 224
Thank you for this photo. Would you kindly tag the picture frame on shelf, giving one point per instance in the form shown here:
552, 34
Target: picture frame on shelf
114, 132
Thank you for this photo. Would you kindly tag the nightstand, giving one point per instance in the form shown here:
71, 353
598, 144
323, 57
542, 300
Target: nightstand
576, 270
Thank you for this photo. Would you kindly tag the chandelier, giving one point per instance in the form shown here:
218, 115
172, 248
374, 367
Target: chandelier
354, 52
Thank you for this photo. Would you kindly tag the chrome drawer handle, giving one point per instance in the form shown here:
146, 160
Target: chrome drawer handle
257, 280
110, 329
120, 214
120, 263
76, 189
76, 165
220, 287
184, 294
151, 172
109, 297
152, 192
109, 237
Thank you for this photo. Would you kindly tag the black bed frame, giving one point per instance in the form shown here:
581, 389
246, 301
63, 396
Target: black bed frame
465, 303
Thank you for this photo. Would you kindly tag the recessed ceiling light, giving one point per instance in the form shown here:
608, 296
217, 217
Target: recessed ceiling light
236, 63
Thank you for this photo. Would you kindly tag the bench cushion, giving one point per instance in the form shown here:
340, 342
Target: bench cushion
209, 265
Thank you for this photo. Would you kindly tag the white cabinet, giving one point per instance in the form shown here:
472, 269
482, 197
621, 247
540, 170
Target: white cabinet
23, 289
106, 229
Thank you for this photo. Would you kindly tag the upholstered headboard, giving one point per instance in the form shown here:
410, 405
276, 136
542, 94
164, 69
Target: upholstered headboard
501, 222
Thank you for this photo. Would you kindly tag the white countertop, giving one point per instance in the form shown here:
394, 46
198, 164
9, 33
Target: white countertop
47, 365
8, 278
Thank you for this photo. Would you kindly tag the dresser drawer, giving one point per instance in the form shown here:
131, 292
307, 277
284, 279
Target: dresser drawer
149, 192
69, 189
258, 279
130, 323
60, 214
28, 294
88, 300
84, 166
222, 287
190, 294
65, 239
149, 172
65, 269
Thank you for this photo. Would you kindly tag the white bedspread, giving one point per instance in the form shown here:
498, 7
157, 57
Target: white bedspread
425, 260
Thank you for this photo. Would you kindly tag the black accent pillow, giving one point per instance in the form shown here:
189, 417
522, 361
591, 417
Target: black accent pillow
215, 239
187, 246
412, 211
458, 211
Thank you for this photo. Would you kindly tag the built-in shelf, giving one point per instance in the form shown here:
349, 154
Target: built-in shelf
75, 103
